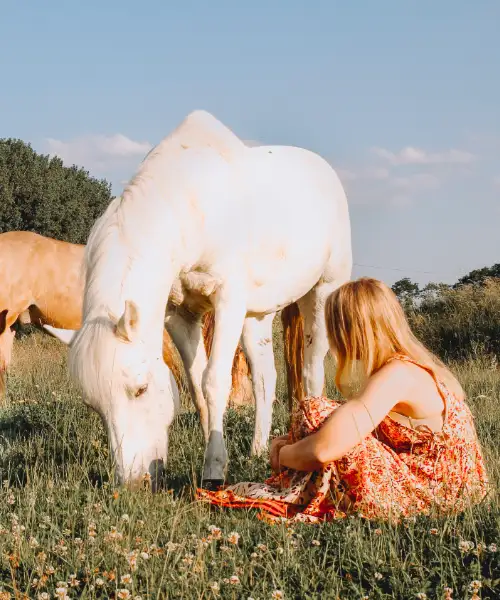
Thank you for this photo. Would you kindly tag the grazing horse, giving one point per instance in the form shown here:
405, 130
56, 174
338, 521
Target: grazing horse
42, 283
207, 223
39, 277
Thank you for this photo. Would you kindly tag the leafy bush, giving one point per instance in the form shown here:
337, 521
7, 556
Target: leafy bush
460, 322
40, 194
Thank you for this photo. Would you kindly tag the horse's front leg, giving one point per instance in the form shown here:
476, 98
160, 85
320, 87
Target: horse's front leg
230, 309
185, 330
6, 343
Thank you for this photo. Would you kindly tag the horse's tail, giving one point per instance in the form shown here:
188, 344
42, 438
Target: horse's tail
208, 331
293, 333
170, 360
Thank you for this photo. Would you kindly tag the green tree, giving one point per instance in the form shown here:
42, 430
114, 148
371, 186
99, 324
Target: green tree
40, 194
478, 276
407, 292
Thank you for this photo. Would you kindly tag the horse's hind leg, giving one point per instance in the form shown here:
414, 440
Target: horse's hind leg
257, 342
185, 331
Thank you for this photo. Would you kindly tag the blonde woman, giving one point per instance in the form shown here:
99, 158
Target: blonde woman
405, 444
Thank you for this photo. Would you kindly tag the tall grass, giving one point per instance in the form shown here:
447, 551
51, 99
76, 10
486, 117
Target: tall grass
66, 531
461, 322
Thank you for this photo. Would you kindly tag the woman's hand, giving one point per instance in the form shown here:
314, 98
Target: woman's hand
276, 445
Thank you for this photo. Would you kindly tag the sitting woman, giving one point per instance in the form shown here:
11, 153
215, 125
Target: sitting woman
405, 444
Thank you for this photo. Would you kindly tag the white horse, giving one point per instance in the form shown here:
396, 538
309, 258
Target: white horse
206, 222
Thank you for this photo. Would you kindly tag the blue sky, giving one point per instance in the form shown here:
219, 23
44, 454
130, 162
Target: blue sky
403, 98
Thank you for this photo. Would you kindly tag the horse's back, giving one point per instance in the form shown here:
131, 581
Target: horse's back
284, 216
292, 186
16, 251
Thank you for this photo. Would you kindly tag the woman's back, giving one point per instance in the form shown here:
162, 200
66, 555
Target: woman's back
423, 402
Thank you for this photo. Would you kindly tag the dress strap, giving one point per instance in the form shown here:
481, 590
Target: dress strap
440, 385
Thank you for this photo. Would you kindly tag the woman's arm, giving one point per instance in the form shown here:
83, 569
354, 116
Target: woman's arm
349, 424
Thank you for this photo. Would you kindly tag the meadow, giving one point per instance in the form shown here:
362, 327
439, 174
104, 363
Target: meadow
66, 531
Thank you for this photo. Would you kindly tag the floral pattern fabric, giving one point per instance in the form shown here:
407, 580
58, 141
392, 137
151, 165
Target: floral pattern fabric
396, 471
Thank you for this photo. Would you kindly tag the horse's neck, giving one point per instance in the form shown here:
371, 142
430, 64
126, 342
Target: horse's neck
142, 270
148, 282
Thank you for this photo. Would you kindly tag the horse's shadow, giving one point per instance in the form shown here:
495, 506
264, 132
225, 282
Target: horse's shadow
185, 458
29, 441
14, 430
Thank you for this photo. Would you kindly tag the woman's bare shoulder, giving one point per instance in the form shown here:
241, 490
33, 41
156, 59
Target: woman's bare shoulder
399, 369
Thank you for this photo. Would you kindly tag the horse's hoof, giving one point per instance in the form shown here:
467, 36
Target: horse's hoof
212, 485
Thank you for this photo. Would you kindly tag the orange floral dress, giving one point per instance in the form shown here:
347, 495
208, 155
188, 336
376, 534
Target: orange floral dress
396, 471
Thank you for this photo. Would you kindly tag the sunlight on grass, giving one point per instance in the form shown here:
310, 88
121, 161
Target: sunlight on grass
67, 532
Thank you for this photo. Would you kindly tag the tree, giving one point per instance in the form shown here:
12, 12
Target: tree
433, 292
407, 292
478, 276
40, 194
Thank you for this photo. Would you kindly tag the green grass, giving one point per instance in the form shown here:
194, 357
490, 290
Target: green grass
62, 519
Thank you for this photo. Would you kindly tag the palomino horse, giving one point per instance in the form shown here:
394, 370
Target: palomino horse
207, 223
43, 277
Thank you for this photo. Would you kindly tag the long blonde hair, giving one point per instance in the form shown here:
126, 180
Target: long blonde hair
366, 325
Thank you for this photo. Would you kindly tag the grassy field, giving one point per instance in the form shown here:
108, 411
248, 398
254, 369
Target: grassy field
67, 532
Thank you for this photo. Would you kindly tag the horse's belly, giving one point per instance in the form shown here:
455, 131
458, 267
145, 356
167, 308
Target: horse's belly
60, 316
278, 281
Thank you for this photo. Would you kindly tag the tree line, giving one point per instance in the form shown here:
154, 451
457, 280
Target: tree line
459, 320
38, 193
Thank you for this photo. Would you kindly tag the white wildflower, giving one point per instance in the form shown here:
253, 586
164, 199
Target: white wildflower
233, 538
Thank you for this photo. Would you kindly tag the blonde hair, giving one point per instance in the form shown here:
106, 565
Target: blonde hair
366, 323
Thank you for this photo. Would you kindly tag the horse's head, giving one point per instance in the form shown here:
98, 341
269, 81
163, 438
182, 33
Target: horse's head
120, 368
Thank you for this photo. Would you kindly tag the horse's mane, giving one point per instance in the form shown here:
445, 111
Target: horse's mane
117, 239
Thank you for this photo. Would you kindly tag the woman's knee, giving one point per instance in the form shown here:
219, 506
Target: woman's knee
313, 411
320, 402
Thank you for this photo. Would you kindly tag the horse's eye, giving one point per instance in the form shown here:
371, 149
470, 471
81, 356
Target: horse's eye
140, 391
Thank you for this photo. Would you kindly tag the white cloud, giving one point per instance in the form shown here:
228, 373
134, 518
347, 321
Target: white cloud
496, 181
375, 185
417, 181
403, 177
416, 156
378, 173
346, 175
366, 174
400, 200
100, 154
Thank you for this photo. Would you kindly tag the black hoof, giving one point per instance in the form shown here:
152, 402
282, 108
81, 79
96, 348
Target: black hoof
212, 485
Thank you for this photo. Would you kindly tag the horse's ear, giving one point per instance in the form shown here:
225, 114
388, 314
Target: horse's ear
128, 323
3, 320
